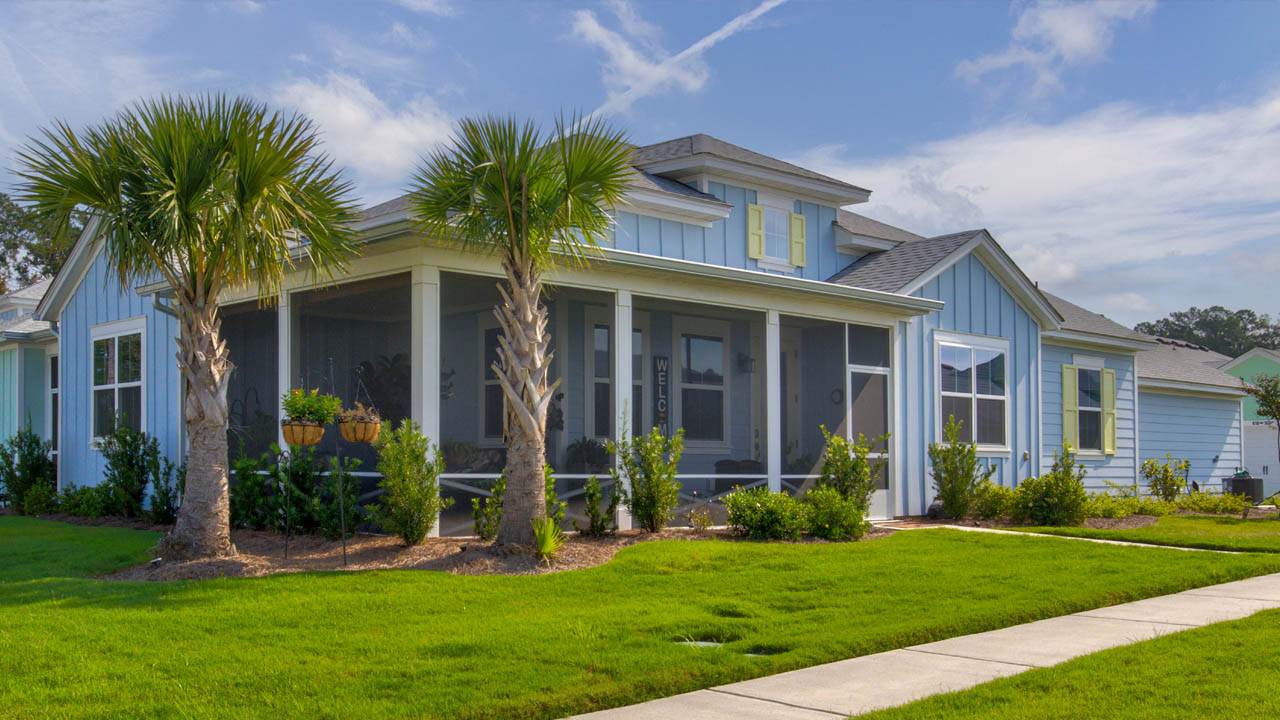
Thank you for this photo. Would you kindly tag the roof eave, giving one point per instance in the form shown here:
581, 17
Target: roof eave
1184, 386
76, 264
829, 191
1094, 339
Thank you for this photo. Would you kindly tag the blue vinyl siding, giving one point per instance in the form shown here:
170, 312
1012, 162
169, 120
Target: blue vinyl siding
34, 390
99, 299
8, 392
977, 304
1206, 431
1118, 468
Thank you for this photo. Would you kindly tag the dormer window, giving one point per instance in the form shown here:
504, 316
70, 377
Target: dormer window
775, 235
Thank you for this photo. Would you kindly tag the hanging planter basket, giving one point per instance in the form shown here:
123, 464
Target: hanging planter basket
365, 431
301, 433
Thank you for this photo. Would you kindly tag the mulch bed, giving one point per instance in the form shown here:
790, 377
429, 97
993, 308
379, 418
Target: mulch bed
261, 553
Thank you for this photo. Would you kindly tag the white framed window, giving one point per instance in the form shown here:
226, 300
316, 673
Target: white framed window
972, 380
1089, 402
702, 406
116, 374
54, 406
776, 227
493, 402
598, 344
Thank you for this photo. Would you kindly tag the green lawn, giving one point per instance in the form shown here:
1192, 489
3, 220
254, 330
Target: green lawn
1226, 670
428, 644
1195, 531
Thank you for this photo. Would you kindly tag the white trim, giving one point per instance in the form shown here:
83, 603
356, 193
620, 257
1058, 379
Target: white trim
1089, 341
592, 317
1088, 362
78, 263
1186, 388
484, 323
684, 324
767, 262
773, 399
114, 330
972, 343
623, 384
284, 358
1266, 354
825, 192
893, 453
670, 206
851, 243
425, 350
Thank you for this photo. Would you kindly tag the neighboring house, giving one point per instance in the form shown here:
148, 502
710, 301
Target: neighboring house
1261, 456
28, 366
737, 300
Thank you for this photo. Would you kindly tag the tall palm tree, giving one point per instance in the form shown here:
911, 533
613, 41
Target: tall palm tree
207, 194
536, 200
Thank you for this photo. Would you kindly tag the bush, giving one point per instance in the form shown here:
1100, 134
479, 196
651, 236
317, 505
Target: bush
992, 500
410, 467
252, 503
762, 515
555, 506
957, 473
332, 506
832, 516
88, 501
310, 406
296, 477
1055, 498
1214, 503
486, 512
40, 499
600, 523
846, 468
1108, 505
547, 538
130, 455
25, 463
649, 463
165, 495
1166, 480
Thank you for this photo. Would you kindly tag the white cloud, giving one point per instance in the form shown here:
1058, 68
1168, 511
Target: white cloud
1116, 200
245, 7
1127, 302
1050, 36
364, 133
631, 73
443, 8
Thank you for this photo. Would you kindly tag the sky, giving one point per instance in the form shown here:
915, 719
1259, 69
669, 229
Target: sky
1126, 154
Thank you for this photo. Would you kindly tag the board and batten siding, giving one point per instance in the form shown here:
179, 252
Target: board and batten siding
1204, 430
976, 304
1118, 468
8, 392
97, 300
725, 242
34, 390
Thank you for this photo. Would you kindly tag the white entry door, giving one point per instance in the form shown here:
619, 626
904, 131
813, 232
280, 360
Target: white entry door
868, 394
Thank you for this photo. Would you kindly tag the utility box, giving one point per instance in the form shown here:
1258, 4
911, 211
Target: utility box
1246, 485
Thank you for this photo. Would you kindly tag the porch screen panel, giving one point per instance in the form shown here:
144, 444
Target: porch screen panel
253, 396
353, 340
812, 378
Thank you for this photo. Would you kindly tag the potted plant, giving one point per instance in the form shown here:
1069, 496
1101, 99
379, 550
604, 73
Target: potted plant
359, 424
306, 414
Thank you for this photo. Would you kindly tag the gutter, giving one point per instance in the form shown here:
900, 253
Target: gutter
1075, 336
1157, 384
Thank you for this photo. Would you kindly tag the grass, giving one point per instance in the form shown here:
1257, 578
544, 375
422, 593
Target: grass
428, 644
1194, 531
1226, 670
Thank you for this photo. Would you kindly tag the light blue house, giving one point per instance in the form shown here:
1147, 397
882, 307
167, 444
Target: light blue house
28, 361
738, 300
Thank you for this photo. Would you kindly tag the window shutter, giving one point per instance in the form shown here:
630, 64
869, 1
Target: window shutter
797, 240
1109, 412
755, 232
1070, 407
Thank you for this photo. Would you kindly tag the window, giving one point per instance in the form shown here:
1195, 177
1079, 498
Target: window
777, 234
1089, 405
53, 405
703, 361
972, 383
599, 369
1089, 399
494, 401
117, 376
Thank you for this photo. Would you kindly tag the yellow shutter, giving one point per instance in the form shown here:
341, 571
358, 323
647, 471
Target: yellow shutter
1070, 407
755, 231
797, 240
1109, 412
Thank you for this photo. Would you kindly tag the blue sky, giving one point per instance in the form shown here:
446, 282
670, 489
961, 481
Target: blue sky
1125, 153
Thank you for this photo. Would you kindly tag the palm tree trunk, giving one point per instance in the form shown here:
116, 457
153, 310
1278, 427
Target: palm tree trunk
203, 528
523, 366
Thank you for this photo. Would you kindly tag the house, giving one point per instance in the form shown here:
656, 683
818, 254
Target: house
1261, 455
28, 362
737, 299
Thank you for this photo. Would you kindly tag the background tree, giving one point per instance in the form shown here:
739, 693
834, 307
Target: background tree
29, 251
505, 187
1265, 389
206, 194
1230, 332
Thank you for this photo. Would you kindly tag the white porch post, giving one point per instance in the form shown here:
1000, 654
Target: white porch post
622, 383
424, 383
773, 398
284, 358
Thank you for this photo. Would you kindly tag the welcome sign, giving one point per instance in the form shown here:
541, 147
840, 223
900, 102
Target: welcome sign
661, 392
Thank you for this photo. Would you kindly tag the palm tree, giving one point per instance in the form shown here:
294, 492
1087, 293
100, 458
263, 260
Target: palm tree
536, 200
207, 194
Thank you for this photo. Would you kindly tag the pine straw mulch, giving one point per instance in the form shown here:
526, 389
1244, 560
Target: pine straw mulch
261, 553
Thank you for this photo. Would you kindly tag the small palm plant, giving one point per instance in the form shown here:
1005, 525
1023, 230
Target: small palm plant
536, 200
204, 194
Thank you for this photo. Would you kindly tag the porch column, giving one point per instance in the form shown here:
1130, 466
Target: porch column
622, 400
425, 342
773, 398
284, 358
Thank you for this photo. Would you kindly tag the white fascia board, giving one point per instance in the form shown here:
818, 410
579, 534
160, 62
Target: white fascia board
71, 273
1187, 388
1255, 352
851, 243
1073, 338
670, 206
829, 193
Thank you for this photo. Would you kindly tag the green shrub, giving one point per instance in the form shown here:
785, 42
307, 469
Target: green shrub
555, 506
547, 538
40, 499
25, 462
486, 512
1109, 505
600, 523
832, 516
410, 467
253, 505
1214, 503
763, 515
310, 406
847, 469
1166, 480
1056, 498
992, 500
332, 506
87, 501
165, 495
130, 456
295, 506
649, 462
957, 472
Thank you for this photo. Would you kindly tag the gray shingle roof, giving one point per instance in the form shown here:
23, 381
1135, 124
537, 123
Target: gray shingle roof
863, 225
23, 324
893, 270
34, 291
702, 144
1184, 362
1078, 319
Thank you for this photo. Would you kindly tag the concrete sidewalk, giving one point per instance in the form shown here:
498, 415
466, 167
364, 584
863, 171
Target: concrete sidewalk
889, 679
